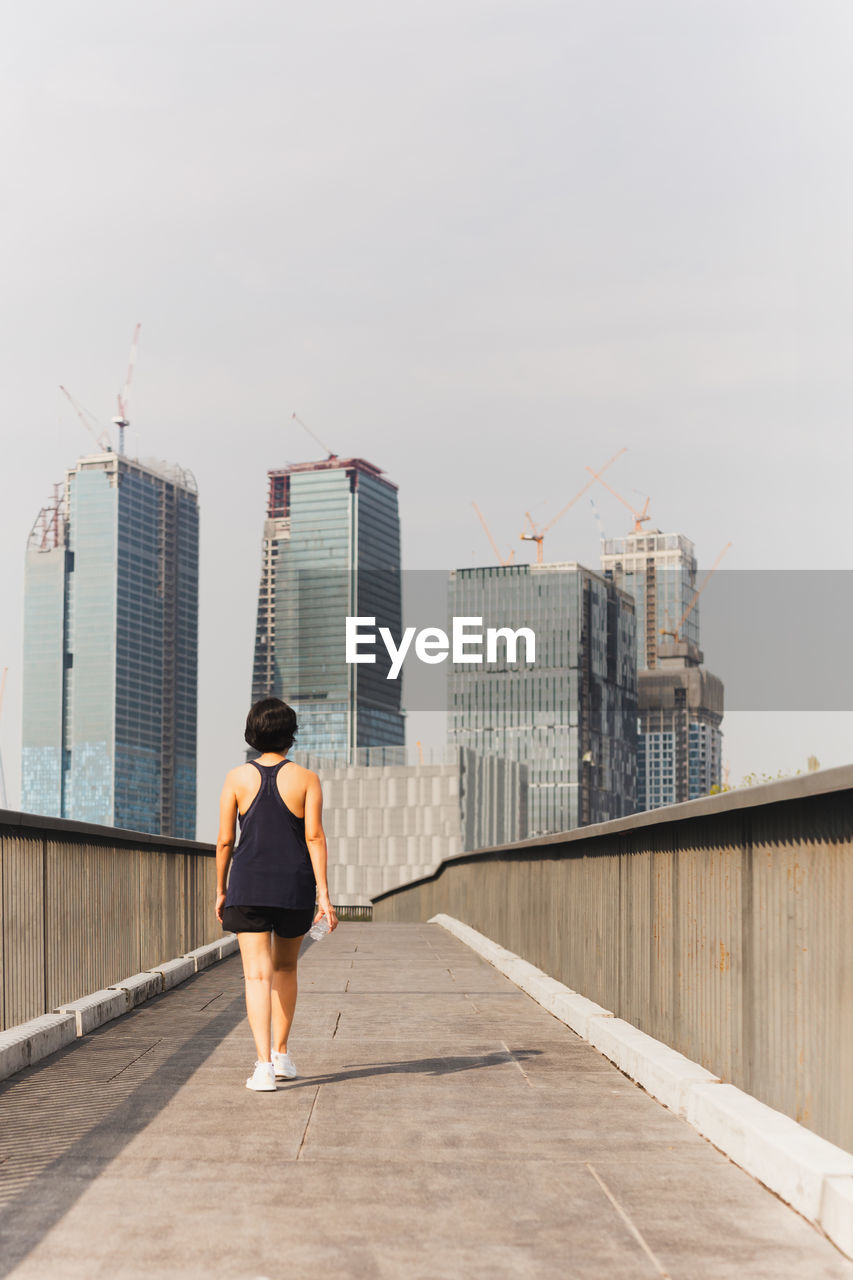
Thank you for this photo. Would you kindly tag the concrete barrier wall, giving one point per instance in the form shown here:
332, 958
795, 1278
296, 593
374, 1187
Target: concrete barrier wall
723, 927
388, 824
83, 906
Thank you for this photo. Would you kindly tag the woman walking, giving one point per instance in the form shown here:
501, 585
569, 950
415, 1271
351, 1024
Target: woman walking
278, 867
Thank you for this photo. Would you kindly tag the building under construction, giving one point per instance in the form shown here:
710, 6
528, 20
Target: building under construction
111, 648
680, 705
659, 570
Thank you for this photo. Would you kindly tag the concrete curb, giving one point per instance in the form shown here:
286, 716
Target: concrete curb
31, 1041
836, 1212
175, 971
791, 1160
94, 1010
663, 1072
140, 987
807, 1172
203, 957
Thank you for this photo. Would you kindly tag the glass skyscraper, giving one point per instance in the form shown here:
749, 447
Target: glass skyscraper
331, 549
571, 717
111, 649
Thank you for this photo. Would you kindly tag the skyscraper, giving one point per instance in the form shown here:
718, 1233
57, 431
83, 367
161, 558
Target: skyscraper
110, 648
331, 549
679, 743
572, 715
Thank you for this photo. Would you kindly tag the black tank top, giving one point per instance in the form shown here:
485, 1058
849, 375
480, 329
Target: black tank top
271, 866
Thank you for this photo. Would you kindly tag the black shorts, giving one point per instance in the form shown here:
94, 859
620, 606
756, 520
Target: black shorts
286, 922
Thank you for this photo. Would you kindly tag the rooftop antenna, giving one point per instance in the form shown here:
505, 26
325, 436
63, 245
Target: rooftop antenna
122, 421
314, 436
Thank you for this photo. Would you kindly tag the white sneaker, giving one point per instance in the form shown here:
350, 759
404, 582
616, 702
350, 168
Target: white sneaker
262, 1079
284, 1068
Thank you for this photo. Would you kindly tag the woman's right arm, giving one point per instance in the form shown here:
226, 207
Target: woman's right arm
225, 841
315, 838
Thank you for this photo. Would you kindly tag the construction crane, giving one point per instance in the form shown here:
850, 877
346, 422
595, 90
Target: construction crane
314, 436
538, 535
90, 422
2, 778
640, 517
676, 634
122, 421
503, 559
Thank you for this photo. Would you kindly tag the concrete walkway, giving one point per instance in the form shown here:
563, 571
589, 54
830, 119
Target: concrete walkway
445, 1126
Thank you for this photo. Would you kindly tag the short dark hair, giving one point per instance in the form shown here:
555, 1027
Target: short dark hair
271, 726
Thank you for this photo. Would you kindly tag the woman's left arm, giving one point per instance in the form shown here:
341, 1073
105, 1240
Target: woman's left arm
225, 841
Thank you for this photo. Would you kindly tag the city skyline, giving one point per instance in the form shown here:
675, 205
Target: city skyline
417, 720
592, 237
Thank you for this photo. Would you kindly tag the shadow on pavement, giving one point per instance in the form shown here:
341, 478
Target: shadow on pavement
438, 1066
38, 1187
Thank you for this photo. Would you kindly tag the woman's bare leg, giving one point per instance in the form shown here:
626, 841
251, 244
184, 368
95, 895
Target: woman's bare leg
257, 971
285, 952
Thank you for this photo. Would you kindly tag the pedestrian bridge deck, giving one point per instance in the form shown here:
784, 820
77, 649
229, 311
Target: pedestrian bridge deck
444, 1125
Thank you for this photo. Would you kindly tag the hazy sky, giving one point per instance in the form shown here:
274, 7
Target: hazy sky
481, 244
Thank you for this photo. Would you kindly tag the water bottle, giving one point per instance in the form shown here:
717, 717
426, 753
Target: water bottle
319, 929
